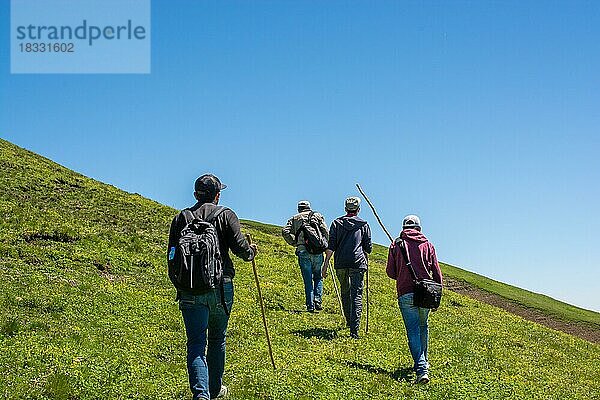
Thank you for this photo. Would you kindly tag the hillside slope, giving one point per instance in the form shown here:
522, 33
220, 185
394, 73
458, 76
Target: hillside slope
86, 312
552, 307
532, 306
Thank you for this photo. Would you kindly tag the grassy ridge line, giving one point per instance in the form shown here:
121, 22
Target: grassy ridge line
543, 303
87, 312
526, 298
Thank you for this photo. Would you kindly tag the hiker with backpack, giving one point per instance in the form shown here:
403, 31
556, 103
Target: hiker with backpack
202, 271
350, 244
307, 231
413, 264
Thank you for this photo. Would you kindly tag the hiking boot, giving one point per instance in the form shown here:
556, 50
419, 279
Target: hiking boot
423, 378
318, 306
354, 335
310, 310
222, 393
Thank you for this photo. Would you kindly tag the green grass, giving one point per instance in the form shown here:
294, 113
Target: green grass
87, 312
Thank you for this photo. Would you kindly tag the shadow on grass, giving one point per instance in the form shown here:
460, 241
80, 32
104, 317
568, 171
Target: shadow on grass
401, 374
319, 333
275, 307
279, 305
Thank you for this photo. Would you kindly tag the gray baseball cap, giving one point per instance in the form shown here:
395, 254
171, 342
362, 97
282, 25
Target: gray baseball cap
303, 205
411, 222
352, 204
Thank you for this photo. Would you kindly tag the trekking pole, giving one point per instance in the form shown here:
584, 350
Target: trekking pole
374, 212
262, 306
367, 322
337, 293
388, 235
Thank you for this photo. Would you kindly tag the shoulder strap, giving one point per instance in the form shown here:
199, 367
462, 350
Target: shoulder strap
300, 229
215, 213
302, 222
188, 215
425, 267
404, 252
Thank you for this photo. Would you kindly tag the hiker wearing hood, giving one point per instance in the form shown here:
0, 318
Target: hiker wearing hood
349, 243
423, 259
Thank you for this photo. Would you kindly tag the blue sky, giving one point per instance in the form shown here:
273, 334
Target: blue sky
481, 117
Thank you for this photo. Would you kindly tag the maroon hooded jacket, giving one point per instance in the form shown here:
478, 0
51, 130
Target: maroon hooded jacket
422, 257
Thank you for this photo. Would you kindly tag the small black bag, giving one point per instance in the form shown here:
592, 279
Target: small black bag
428, 293
314, 241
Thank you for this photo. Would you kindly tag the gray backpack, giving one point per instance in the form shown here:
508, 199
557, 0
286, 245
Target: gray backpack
314, 241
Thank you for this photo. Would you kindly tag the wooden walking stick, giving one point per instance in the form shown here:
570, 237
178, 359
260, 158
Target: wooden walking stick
262, 306
374, 212
367, 322
388, 235
337, 293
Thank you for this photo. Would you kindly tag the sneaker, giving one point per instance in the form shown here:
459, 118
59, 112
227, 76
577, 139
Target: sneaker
310, 310
354, 335
423, 378
222, 393
318, 306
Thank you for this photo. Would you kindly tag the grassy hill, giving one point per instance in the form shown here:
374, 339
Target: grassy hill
87, 312
549, 306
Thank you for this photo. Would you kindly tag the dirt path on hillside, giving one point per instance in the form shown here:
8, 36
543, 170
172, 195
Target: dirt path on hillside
582, 330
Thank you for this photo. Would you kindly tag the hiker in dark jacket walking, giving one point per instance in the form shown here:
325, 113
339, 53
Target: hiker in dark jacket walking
310, 264
206, 315
349, 243
423, 259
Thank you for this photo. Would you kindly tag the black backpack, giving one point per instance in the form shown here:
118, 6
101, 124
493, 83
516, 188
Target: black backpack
314, 241
197, 265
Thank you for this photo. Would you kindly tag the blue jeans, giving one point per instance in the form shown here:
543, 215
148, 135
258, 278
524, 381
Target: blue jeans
202, 313
310, 267
351, 289
417, 331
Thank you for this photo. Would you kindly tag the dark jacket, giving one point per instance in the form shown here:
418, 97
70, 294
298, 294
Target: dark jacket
422, 258
350, 239
228, 229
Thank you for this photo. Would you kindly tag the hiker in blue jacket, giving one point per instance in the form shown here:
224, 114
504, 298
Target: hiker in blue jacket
349, 243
